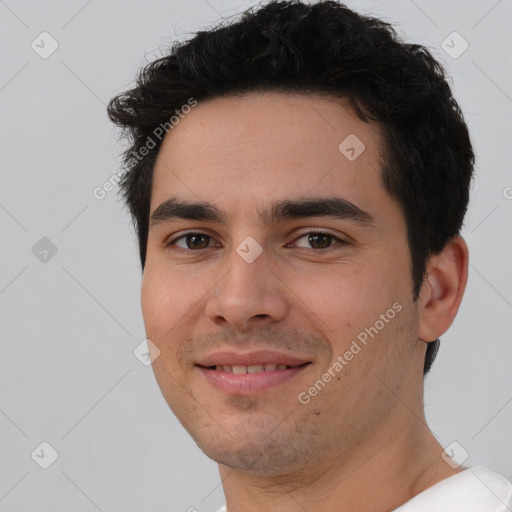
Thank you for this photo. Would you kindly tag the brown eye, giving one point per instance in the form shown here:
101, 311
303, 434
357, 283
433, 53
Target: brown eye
192, 241
317, 240
197, 241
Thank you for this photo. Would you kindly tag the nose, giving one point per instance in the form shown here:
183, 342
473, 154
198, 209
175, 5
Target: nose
248, 295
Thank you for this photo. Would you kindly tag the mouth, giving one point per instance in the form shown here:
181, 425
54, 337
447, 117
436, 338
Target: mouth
250, 379
253, 368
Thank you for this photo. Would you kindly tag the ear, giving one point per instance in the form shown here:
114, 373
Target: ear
442, 289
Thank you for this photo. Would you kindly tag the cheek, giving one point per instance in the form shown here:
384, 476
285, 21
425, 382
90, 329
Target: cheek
163, 301
347, 294
347, 303
165, 313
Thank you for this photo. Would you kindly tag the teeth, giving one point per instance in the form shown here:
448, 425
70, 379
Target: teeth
254, 368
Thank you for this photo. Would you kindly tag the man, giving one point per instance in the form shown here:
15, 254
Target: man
298, 181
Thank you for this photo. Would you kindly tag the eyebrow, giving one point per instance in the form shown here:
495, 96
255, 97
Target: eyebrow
335, 207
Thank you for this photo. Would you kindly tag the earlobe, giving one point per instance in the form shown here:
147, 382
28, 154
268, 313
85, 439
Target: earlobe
443, 288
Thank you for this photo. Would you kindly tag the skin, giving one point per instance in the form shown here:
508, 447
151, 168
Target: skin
362, 441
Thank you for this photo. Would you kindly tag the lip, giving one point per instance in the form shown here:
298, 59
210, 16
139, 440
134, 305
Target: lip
249, 383
227, 358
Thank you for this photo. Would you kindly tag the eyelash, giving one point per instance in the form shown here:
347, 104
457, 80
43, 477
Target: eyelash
309, 251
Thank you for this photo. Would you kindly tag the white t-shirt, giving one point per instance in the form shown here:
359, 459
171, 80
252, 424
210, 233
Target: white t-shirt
476, 489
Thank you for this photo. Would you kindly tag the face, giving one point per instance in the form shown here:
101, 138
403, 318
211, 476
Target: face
273, 250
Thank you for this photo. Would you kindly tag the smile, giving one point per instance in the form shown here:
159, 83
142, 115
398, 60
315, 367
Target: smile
254, 368
249, 379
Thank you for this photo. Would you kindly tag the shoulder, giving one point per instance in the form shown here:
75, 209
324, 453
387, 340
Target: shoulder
476, 489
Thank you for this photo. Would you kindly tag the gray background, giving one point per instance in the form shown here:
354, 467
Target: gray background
70, 323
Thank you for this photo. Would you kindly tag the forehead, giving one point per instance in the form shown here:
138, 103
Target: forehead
264, 146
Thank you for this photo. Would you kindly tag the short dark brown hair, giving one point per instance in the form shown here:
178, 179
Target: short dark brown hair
291, 46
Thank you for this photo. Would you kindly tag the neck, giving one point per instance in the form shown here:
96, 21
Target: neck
400, 459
